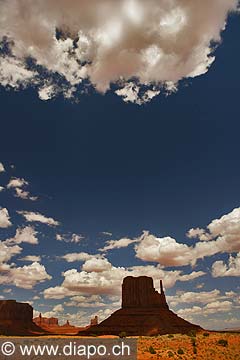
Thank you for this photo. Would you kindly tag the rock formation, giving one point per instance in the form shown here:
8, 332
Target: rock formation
45, 322
144, 312
16, 319
94, 321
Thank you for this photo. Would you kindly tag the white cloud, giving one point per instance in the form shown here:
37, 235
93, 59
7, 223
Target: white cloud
24, 235
2, 169
4, 218
1, 188
7, 252
37, 217
25, 195
118, 244
222, 236
93, 301
102, 278
96, 265
164, 250
16, 183
82, 256
219, 269
31, 258
203, 297
74, 238
212, 308
25, 277
108, 42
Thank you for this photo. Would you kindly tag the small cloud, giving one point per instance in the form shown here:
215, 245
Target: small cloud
74, 238
2, 188
24, 235
25, 195
16, 183
2, 169
118, 244
4, 218
31, 258
82, 256
37, 217
106, 233
7, 291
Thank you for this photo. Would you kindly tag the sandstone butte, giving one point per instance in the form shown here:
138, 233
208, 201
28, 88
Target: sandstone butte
144, 312
16, 319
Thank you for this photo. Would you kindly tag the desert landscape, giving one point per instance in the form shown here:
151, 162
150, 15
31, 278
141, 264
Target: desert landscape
144, 315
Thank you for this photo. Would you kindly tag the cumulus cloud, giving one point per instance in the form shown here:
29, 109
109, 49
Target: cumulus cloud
93, 301
24, 235
108, 42
202, 297
99, 277
25, 277
37, 217
82, 256
4, 218
2, 169
16, 183
220, 269
2, 188
222, 236
7, 252
96, 265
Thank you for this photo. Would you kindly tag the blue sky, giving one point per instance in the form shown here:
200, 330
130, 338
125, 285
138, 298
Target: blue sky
105, 170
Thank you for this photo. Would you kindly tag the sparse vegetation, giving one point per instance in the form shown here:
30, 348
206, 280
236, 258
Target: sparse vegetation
180, 351
222, 342
152, 350
206, 334
170, 336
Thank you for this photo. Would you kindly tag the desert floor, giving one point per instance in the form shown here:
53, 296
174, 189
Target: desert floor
203, 346
184, 347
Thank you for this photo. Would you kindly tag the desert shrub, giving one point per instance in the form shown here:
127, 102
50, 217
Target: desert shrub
206, 334
193, 342
180, 351
170, 354
195, 350
152, 350
170, 336
192, 333
122, 335
93, 335
223, 342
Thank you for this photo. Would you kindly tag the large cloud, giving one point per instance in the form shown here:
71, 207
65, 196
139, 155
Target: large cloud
25, 277
222, 236
99, 276
155, 42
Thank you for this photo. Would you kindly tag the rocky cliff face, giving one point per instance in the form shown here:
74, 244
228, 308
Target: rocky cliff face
11, 311
144, 312
16, 318
43, 321
140, 293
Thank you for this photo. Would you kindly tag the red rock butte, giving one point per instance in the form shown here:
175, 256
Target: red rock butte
16, 319
144, 312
